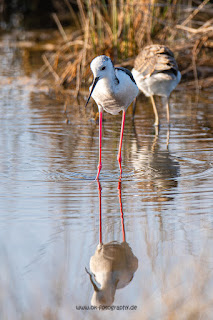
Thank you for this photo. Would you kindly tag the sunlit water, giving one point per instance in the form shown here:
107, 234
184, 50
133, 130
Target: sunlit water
50, 203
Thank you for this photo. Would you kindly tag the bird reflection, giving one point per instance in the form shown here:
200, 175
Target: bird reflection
156, 163
113, 265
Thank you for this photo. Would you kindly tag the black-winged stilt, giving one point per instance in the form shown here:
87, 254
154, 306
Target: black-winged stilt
156, 73
113, 89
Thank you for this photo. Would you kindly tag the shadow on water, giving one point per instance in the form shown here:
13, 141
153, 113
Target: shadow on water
113, 265
159, 169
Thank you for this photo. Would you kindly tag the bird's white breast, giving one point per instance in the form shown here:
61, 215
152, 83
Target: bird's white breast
114, 96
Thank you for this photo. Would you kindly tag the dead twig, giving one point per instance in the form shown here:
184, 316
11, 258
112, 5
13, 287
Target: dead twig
52, 71
191, 16
78, 79
73, 14
194, 56
60, 28
193, 30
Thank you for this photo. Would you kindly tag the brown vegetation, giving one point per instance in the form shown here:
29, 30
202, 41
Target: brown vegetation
121, 28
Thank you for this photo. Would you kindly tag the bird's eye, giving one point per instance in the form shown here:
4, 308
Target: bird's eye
103, 68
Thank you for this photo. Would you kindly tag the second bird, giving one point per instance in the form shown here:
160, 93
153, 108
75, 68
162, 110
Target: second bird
113, 89
156, 73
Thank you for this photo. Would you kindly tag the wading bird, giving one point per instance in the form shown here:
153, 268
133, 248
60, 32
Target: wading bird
113, 89
156, 73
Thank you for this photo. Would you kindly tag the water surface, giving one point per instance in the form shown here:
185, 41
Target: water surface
50, 202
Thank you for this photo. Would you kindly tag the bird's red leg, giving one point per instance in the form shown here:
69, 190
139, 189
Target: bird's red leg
121, 139
100, 221
100, 136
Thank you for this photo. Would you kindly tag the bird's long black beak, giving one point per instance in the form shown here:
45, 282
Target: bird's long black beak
93, 87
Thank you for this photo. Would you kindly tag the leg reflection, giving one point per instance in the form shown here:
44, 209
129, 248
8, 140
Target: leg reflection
121, 210
100, 218
113, 265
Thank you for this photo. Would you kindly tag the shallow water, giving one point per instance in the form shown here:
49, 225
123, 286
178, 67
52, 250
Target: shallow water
162, 208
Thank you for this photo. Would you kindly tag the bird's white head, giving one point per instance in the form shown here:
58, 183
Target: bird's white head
102, 67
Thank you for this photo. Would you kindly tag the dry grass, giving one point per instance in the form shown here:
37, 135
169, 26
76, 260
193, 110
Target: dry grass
120, 28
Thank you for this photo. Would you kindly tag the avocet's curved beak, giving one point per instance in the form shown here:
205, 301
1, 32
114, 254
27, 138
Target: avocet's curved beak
93, 87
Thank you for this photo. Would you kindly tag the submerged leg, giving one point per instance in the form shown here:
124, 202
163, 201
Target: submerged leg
155, 111
100, 136
167, 109
121, 139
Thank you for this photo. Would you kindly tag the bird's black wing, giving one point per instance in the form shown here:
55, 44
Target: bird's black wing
127, 72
